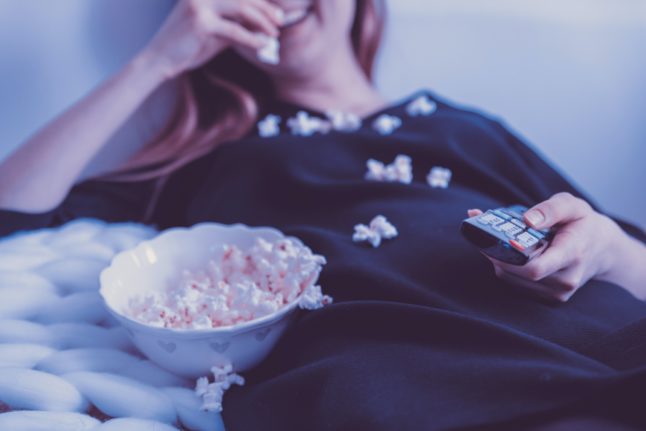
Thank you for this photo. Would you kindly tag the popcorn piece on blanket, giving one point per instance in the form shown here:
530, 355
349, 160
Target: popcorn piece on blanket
421, 106
379, 228
386, 124
269, 126
344, 121
305, 125
236, 287
400, 170
270, 52
439, 177
212, 393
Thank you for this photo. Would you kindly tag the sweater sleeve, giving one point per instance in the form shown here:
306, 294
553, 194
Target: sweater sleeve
105, 200
553, 181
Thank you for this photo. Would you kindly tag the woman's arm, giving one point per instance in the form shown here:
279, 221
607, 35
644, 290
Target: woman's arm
37, 177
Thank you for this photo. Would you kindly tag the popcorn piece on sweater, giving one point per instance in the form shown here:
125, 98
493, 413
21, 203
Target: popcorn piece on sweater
237, 286
364, 233
421, 106
213, 393
386, 124
344, 121
439, 177
305, 125
383, 227
400, 170
379, 228
270, 52
269, 126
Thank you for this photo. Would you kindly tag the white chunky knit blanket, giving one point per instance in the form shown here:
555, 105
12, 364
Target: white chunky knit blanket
65, 364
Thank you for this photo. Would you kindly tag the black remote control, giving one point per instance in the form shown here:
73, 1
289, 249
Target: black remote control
502, 234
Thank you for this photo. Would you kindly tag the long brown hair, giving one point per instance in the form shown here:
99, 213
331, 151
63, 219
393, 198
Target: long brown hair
198, 125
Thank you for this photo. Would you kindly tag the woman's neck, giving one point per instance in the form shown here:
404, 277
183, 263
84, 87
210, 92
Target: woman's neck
340, 85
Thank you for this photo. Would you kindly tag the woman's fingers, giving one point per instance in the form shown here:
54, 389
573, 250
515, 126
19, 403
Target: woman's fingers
561, 253
272, 11
583, 247
474, 212
559, 209
550, 289
236, 33
251, 14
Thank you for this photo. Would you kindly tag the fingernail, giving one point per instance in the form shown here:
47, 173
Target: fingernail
534, 217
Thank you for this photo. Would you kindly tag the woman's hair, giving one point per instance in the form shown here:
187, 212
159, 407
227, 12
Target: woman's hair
198, 125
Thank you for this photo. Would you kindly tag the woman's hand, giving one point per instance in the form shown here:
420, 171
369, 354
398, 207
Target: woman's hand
197, 30
586, 245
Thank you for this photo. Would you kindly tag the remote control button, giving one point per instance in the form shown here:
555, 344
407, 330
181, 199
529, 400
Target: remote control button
527, 240
519, 223
501, 214
536, 233
512, 232
513, 213
489, 218
518, 246
507, 227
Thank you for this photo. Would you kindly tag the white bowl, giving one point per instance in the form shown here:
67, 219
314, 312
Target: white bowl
155, 263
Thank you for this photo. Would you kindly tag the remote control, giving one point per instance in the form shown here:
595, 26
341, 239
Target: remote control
502, 234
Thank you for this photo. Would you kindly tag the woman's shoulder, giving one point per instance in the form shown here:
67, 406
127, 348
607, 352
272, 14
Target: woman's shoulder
452, 107
444, 113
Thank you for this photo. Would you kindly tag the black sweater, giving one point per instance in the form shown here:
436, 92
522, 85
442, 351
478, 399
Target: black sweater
422, 335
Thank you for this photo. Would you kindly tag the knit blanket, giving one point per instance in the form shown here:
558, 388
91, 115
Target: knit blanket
65, 363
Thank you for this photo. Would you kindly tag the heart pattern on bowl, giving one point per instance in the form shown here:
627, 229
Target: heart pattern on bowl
167, 346
262, 334
219, 347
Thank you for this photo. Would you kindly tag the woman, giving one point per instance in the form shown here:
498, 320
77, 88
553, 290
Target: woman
423, 334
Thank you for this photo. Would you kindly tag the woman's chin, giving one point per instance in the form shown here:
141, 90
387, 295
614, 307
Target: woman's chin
299, 36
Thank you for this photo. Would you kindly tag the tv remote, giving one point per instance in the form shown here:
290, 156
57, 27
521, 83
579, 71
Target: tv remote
502, 234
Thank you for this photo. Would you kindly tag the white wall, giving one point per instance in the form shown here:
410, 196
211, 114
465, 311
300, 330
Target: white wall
567, 74
54, 52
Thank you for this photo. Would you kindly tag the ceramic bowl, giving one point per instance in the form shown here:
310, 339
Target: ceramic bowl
155, 263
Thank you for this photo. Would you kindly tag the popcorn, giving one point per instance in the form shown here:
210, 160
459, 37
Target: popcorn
383, 227
421, 106
305, 125
270, 52
213, 393
379, 228
386, 124
236, 286
364, 233
400, 170
439, 177
202, 386
313, 299
344, 121
269, 126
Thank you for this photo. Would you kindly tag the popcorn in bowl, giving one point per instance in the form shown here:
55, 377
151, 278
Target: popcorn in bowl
211, 295
236, 286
